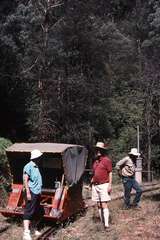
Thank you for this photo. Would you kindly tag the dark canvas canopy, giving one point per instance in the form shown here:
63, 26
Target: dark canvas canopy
74, 161
73, 157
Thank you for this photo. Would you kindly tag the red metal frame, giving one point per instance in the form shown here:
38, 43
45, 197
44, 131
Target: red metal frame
58, 204
59, 201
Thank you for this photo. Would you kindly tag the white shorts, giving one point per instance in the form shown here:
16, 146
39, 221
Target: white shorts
100, 193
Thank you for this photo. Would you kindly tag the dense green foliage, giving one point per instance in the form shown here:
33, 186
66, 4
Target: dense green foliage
4, 143
81, 71
5, 176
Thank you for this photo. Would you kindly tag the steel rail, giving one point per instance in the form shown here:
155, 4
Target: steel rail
47, 235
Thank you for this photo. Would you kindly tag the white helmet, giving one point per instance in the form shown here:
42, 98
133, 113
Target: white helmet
101, 145
134, 152
35, 154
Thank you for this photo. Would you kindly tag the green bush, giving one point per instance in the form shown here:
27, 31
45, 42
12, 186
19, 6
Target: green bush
5, 176
4, 143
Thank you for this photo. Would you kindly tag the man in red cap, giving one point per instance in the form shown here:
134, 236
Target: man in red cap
102, 182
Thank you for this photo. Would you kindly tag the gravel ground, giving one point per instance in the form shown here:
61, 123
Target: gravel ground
131, 224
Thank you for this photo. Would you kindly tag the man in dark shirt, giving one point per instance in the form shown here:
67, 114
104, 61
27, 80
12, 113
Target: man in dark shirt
101, 182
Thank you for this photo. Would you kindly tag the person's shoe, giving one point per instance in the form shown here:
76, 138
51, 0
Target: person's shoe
125, 207
37, 233
107, 228
136, 206
27, 235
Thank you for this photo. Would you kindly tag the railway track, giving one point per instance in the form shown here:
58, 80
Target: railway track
47, 235
147, 189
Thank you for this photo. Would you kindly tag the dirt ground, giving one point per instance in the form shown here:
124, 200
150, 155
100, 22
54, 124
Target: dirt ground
130, 224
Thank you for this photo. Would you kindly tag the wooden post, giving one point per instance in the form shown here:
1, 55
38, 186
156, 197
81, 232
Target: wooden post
138, 174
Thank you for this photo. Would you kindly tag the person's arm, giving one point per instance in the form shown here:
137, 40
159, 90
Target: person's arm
109, 173
110, 182
92, 174
26, 179
119, 165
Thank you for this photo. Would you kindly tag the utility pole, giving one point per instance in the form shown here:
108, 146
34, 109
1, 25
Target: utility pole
138, 174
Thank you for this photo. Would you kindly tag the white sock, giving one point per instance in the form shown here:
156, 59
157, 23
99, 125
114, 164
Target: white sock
27, 231
106, 216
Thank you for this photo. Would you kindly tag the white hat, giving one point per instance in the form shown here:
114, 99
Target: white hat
101, 145
35, 154
134, 152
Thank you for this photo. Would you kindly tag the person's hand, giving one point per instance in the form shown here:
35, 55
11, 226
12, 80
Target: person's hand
88, 187
109, 188
28, 196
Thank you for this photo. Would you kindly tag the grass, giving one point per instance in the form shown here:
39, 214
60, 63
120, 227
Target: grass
126, 224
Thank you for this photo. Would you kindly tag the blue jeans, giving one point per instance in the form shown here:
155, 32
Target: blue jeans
129, 183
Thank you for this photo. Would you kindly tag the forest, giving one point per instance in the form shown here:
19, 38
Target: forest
81, 71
